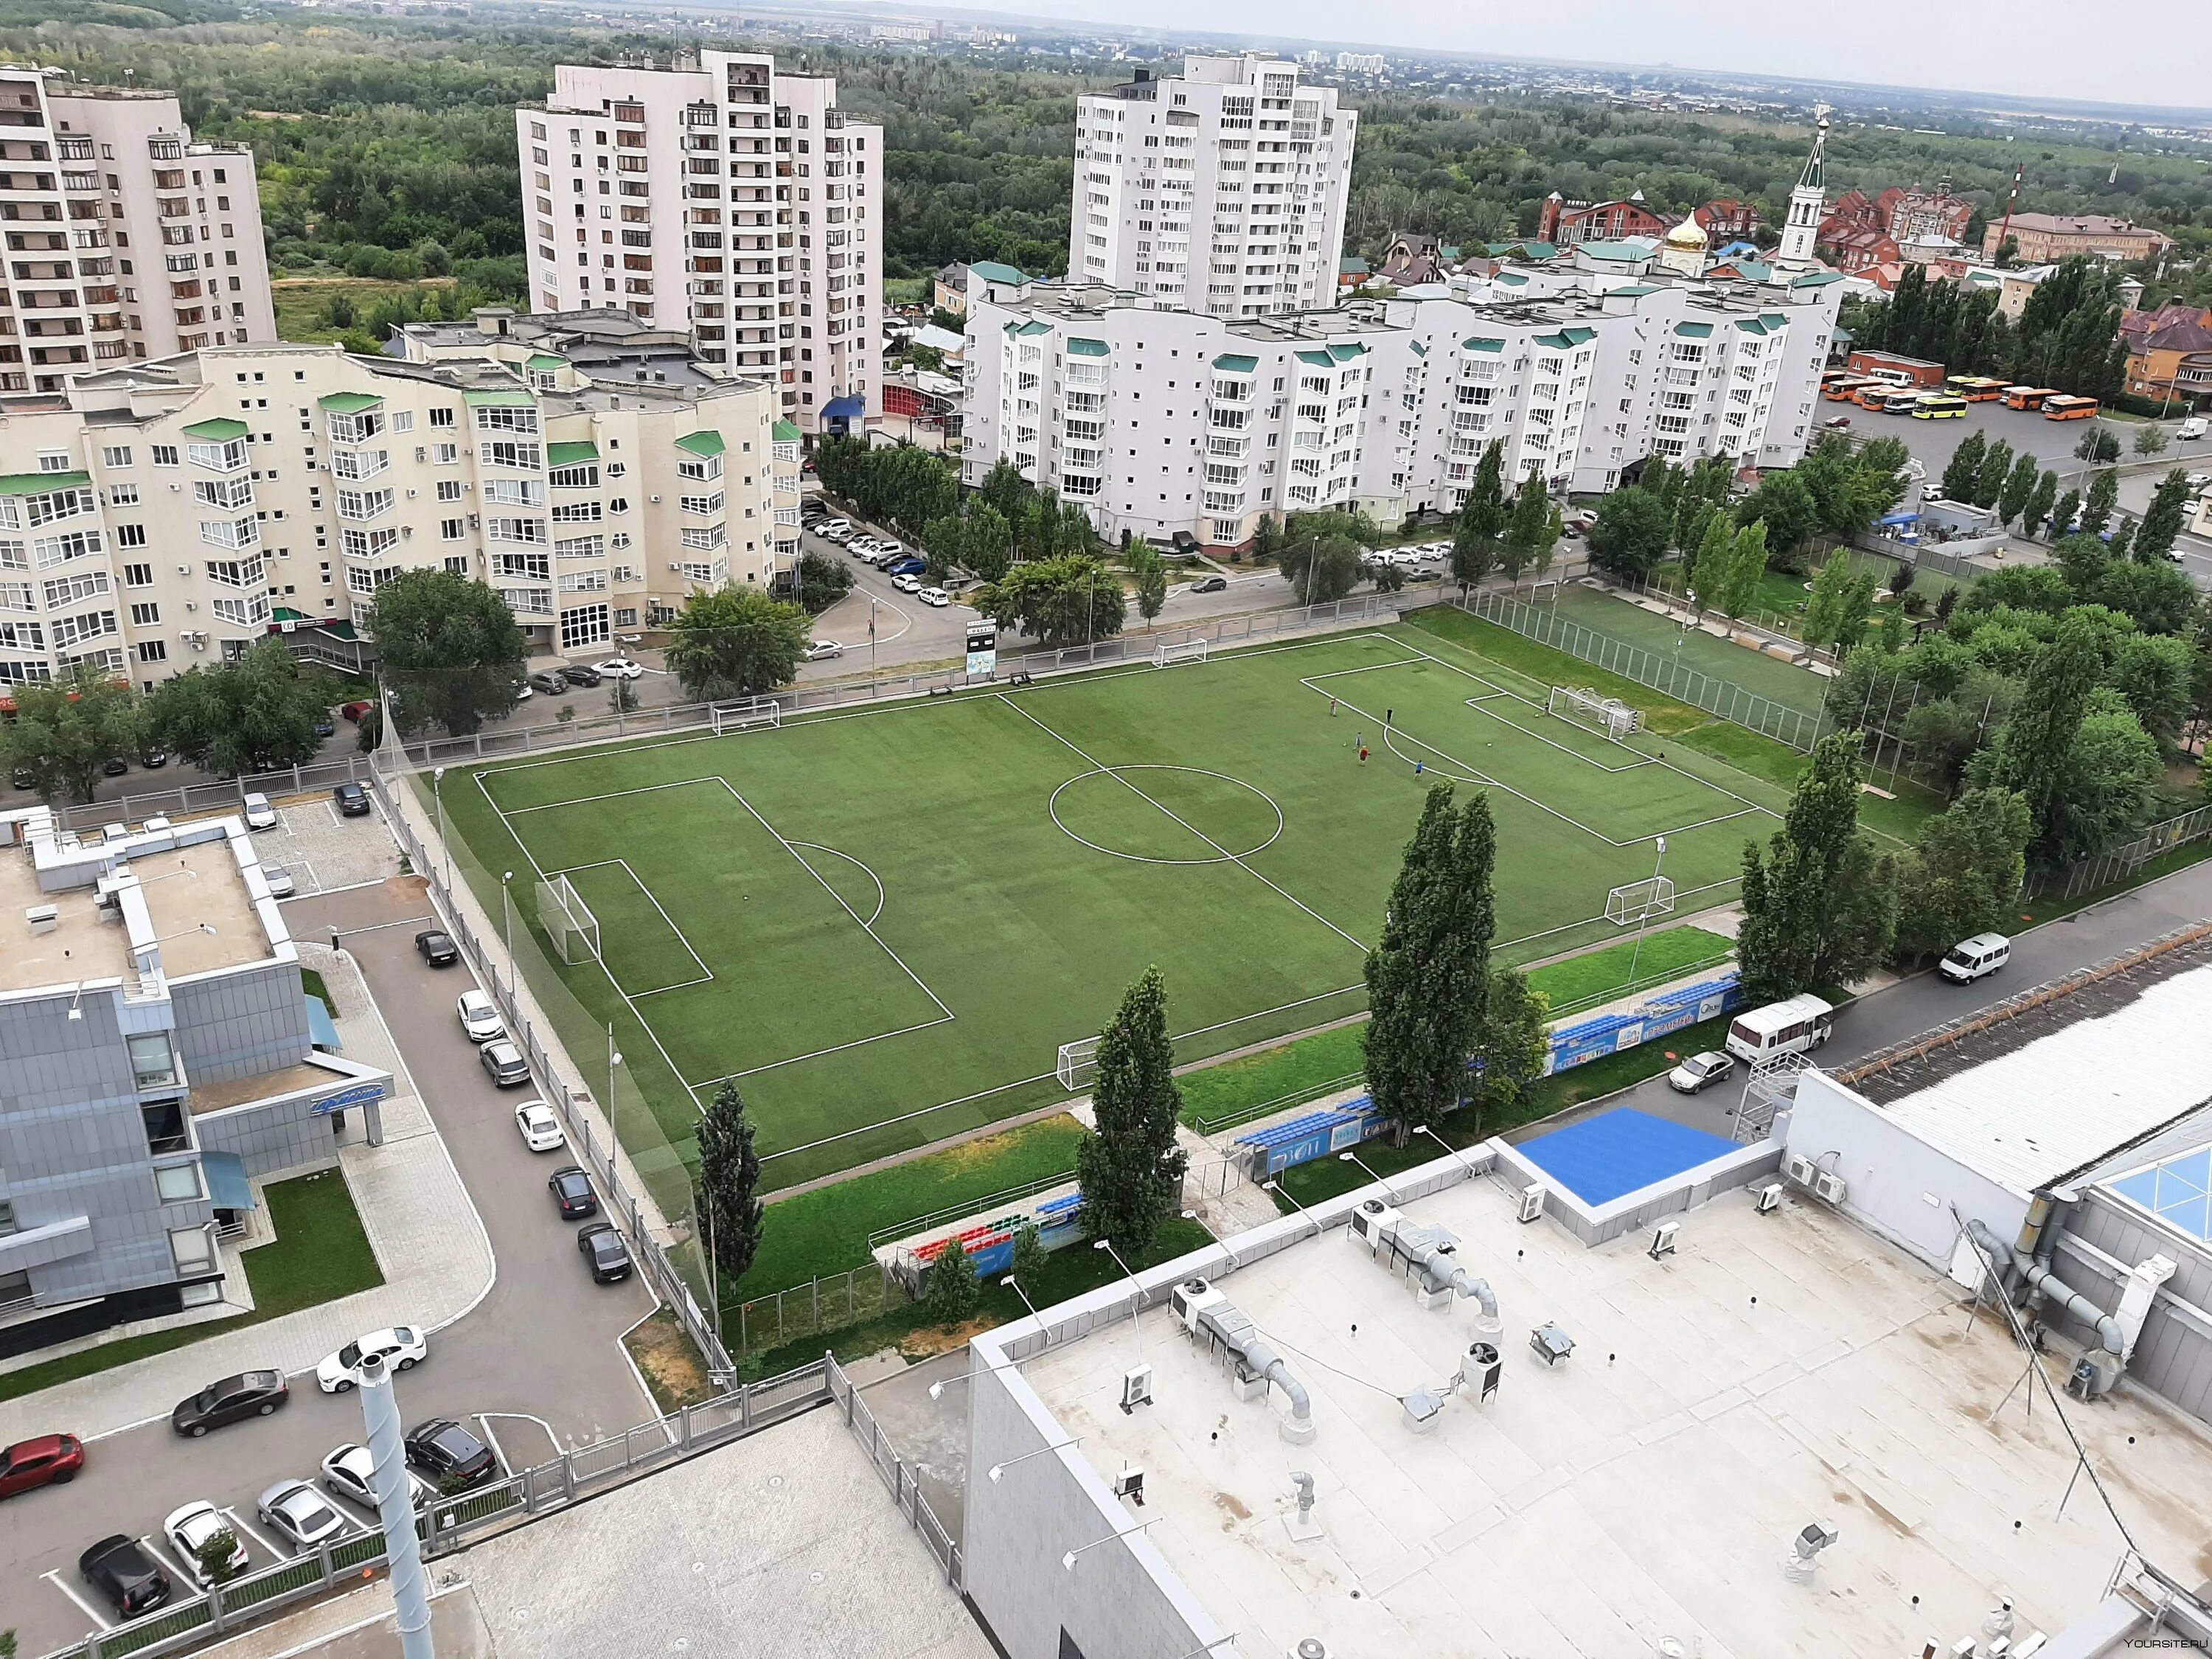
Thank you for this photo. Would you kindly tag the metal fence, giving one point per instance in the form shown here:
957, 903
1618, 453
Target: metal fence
897, 1472
816, 1308
449, 1523
191, 799
2117, 864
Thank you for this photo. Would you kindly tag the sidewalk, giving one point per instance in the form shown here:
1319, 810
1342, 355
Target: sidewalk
429, 1243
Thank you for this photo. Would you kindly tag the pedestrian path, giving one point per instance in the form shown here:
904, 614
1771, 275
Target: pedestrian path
430, 1245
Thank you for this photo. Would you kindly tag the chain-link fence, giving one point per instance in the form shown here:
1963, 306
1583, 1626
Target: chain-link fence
2119, 862
228, 794
897, 1473
814, 1308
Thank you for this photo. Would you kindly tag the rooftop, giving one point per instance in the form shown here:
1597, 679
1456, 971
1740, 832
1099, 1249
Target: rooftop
1779, 1370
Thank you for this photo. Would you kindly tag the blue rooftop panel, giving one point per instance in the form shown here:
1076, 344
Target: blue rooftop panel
1617, 1152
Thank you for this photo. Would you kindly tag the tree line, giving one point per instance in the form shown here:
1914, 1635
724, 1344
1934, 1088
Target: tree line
2067, 339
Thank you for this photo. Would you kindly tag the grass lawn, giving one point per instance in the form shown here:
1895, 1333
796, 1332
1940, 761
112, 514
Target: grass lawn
883, 922
319, 1254
1585, 981
906, 290
299, 301
1694, 649
315, 986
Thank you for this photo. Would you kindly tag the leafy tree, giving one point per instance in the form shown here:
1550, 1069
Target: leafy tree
2161, 521
2063, 514
1428, 979
1266, 539
2157, 674
734, 643
950, 1293
1819, 909
1510, 1041
731, 1213
2032, 753
255, 714
2110, 771
1746, 564
1151, 572
1853, 487
1533, 530
1965, 874
1631, 535
1943, 733
1004, 490
2151, 440
1962, 473
1842, 595
217, 1556
1714, 561
2040, 500
1320, 568
1480, 525
1997, 467
2122, 541
2097, 511
823, 582
2019, 489
1130, 1167
2099, 445
66, 731
449, 649
1070, 600
2159, 597
1029, 1255
1784, 502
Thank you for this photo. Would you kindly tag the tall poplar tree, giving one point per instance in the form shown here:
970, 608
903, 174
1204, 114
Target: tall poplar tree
1820, 907
729, 1183
1130, 1167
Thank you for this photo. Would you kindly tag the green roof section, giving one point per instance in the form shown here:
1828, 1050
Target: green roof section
499, 400
1232, 363
1031, 328
1512, 279
1079, 347
1481, 342
1345, 353
1694, 331
38, 484
1774, 320
1352, 265
708, 442
570, 454
991, 271
347, 402
222, 430
1633, 291
545, 361
785, 432
1318, 359
1817, 279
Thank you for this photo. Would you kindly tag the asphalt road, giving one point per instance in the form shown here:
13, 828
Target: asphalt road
536, 1360
1912, 1005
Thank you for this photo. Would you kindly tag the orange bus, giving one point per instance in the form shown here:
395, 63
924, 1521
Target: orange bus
1845, 389
1975, 388
1874, 394
2026, 396
2068, 409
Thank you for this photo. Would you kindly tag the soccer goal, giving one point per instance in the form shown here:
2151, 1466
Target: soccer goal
1078, 1062
567, 920
1633, 905
742, 716
1614, 717
1165, 653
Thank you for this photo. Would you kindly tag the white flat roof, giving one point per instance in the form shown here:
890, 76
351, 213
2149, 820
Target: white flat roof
1780, 1369
2065, 1101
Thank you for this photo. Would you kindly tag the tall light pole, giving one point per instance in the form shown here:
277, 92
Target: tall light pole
507, 908
438, 794
1644, 916
1354, 1158
395, 1508
1136, 1285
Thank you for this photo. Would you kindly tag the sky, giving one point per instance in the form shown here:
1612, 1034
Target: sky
2022, 48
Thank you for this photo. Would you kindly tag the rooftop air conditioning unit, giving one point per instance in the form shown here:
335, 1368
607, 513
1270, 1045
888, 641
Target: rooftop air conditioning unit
1136, 1387
1828, 1188
1662, 1238
1370, 1221
1769, 1197
1192, 1298
1799, 1169
1532, 1202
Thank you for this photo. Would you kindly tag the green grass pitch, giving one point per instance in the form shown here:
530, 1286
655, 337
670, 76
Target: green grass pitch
884, 921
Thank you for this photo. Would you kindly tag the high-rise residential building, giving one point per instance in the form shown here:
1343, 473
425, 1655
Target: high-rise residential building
125, 237
719, 196
161, 514
1221, 191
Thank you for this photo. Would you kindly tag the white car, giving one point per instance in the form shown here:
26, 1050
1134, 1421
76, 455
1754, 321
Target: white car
480, 1017
541, 1130
621, 668
1700, 1073
279, 879
908, 583
346, 1471
936, 596
822, 650
189, 1529
303, 1515
403, 1348
259, 814
833, 527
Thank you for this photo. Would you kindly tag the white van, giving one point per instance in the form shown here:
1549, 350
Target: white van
2195, 426
1970, 959
1795, 1027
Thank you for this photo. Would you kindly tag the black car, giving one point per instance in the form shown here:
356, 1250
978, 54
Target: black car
1210, 584
552, 684
250, 1393
572, 1193
24, 778
153, 759
115, 766
125, 1575
449, 1454
581, 673
438, 948
352, 799
602, 1248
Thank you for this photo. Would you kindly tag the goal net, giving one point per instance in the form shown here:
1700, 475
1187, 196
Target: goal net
567, 920
1614, 717
1639, 901
729, 717
1078, 1062
1180, 651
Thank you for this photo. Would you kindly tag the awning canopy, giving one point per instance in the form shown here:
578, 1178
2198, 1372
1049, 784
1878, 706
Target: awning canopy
322, 1031
845, 409
228, 1187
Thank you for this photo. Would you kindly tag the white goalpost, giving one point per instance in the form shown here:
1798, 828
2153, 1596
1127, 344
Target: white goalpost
1078, 1062
729, 717
1636, 903
1165, 653
1582, 706
567, 920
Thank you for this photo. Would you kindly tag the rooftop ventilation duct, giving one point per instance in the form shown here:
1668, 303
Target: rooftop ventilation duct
1206, 1312
1429, 1255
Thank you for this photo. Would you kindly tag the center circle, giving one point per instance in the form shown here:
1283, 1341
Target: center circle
1158, 814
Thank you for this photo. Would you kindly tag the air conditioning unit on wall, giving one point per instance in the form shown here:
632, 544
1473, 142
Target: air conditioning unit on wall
1799, 1169
1828, 1188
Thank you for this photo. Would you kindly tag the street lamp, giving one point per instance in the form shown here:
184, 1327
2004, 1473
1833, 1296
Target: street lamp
1136, 1300
1354, 1158
1473, 1167
507, 908
1026, 1303
438, 794
1278, 1186
1067, 1561
998, 1470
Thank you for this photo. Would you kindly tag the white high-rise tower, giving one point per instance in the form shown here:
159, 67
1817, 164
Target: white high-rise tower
1807, 204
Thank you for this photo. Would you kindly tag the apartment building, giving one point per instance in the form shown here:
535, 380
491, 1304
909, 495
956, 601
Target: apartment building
718, 196
126, 238
177, 511
1220, 192
2046, 238
156, 1058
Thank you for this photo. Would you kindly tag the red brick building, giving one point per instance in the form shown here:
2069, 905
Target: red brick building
1727, 221
1916, 371
1563, 223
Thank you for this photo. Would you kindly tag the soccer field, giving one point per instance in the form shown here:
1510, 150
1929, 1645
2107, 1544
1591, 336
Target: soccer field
884, 921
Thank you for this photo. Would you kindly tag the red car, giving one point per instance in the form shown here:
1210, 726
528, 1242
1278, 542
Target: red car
51, 1459
353, 711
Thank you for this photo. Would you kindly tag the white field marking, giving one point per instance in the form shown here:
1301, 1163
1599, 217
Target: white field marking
483, 1422
239, 1521
705, 972
1223, 1025
586, 800
168, 1558
1052, 807
621, 1347
551, 1438
1233, 858
905, 1117
54, 1577
839, 852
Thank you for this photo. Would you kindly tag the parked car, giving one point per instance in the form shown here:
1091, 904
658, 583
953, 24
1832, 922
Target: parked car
259, 814
231, 1400
346, 1473
524, 690
153, 759
833, 527
1970, 959
191, 1530
325, 726
437, 947
621, 668
280, 881
353, 711
448, 1452
572, 1193
125, 1575
45, 1459
479, 1016
23, 778
907, 582
2198, 482
581, 674
905, 565
1210, 584
403, 1347
352, 799
115, 766
603, 1248
504, 1063
822, 650
1836, 423
1700, 1071
2191, 430
552, 684
541, 1130
936, 597
302, 1515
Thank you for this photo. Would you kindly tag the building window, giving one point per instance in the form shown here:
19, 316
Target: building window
153, 1064
177, 1183
192, 1248
165, 1126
